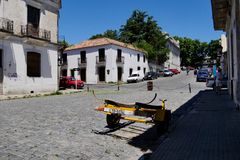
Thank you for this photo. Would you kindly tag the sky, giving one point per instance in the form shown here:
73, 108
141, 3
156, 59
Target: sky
81, 19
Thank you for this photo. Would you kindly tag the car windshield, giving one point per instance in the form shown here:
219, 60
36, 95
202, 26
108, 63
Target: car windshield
149, 73
203, 72
134, 75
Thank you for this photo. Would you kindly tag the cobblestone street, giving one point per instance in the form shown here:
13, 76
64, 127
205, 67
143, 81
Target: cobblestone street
60, 127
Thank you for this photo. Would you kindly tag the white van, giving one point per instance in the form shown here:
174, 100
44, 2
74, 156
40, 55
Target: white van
136, 76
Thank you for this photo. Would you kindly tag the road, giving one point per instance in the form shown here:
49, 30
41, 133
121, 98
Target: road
60, 127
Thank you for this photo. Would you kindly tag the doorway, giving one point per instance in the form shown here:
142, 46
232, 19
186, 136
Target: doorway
83, 74
120, 73
1, 71
101, 74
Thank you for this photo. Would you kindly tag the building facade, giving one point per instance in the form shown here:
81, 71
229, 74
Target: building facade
226, 17
174, 60
224, 55
104, 60
28, 46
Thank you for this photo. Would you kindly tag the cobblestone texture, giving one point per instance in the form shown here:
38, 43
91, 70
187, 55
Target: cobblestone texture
60, 127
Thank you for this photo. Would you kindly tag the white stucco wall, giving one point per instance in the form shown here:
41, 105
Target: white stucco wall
16, 10
15, 48
15, 79
130, 61
174, 56
224, 43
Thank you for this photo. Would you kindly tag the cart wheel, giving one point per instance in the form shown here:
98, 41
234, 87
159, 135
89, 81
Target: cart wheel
162, 127
113, 120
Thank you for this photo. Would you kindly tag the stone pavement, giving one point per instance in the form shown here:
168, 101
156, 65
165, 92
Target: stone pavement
209, 131
30, 95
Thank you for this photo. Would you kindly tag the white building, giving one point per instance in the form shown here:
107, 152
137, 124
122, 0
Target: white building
226, 18
104, 60
28, 46
174, 60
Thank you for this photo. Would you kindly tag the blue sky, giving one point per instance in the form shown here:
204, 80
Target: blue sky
80, 19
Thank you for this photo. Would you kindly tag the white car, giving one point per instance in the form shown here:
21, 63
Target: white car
135, 77
167, 73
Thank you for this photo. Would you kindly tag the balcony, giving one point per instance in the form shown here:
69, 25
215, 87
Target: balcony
82, 62
30, 31
101, 60
6, 25
120, 60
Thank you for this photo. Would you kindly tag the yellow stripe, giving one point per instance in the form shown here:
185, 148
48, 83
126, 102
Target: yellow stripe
127, 109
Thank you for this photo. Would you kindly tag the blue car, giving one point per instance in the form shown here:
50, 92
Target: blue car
202, 75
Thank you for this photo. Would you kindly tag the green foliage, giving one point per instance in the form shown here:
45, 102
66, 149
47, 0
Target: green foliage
135, 28
64, 44
113, 34
213, 47
192, 52
143, 31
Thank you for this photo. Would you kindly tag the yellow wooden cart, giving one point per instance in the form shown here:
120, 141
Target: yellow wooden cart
156, 114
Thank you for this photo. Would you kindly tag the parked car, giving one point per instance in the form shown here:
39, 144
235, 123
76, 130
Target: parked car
70, 82
202, 75
210, 82
190, 68
175, 71
150, 76
167, 73
161, 73
135, 77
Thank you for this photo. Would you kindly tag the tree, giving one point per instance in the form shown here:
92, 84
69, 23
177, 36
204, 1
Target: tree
143, 31
113, 34
213, 48
134, 29
64, 44
192, 52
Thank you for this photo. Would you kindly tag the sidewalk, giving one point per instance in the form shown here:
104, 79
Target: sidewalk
19, 96
210, 131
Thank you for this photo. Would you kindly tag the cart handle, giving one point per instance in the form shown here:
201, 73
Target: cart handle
155, 96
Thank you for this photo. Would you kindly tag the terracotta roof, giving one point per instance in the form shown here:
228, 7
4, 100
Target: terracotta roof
101, 42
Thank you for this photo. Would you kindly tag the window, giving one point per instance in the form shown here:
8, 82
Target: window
139, 68
33, 64
83, 56
144, 70
72, 72
33, 16
64, 58
119, 55
138, 57
101, 53
144, 58
130, 71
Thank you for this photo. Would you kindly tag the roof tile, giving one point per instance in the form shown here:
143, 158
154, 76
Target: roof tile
101, 42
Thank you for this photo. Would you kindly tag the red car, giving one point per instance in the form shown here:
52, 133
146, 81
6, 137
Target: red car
70, 82
175, 71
